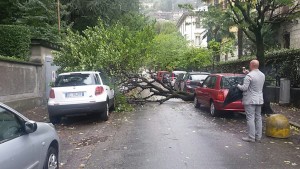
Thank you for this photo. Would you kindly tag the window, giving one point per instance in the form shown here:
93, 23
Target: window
76, 79
287, 40
212, 82
207, 81
198, 77
97, 79
10, 126
227, 82
198, 40
198, 25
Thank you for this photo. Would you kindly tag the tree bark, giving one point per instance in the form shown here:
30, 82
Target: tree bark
260, 50
240, 43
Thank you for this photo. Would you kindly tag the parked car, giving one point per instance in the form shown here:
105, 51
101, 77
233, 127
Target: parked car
191, 80
179, 79
80, 93
213, 91
153, 75
166, 79
174, 75
160, 75
26, 144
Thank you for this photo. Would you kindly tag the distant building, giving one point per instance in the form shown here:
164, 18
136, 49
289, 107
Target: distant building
189, 25
289, 32
147, 5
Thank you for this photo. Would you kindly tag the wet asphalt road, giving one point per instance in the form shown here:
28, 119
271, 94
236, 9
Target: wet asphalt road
173, 135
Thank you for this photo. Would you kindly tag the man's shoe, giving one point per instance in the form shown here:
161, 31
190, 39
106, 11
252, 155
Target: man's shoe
258, 140
248, 139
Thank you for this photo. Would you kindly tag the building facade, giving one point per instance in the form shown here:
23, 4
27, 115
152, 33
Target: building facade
189, 25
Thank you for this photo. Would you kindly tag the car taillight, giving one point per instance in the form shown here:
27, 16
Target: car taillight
52, 94
99, 90
220, 96
188, 82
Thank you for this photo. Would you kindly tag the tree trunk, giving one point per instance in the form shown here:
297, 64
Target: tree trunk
240, 43
260, 51
260, 55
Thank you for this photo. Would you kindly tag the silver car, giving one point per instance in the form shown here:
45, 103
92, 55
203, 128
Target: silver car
26, 144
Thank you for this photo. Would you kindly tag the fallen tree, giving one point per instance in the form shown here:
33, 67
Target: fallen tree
120, 51
155, 88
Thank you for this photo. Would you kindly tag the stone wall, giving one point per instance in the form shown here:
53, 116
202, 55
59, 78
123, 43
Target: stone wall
26, 85
21, 86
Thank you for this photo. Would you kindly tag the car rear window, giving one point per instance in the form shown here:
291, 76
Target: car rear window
228, 81
77, 79
198, 77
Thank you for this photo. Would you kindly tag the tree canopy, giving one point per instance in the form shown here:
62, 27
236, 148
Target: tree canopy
255, 18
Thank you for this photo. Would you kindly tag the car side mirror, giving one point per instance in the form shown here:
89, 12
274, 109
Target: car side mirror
199, 84
30, 127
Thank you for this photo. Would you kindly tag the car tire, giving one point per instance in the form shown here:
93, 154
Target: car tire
105, 112
196, 102
54, 119
51, 161
113, 106
213, 111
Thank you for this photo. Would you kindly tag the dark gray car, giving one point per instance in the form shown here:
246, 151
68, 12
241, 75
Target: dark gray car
191, 80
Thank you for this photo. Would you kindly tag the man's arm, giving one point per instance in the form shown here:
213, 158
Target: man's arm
246, 84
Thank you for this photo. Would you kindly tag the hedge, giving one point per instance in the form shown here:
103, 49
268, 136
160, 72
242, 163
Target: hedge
14, 41
284, 63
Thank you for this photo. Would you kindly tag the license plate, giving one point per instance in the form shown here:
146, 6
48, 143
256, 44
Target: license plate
74, 94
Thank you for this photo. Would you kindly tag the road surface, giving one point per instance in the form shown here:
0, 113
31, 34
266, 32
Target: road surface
173, 135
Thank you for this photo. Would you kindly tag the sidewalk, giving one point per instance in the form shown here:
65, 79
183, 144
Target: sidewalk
292, 113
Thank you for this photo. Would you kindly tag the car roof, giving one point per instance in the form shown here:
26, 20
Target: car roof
199, 73
83, 72
228, 74
178, 71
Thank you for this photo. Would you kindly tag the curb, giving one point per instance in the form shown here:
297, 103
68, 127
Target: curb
294, 124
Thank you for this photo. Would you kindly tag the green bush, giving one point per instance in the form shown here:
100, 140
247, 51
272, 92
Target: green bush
14, 41
285, 61
122, 105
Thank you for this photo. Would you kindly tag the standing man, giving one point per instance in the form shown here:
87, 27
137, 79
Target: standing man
253, 101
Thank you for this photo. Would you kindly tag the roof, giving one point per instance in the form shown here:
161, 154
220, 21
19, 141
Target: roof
229, 74
182, 18
196, 73
83, 72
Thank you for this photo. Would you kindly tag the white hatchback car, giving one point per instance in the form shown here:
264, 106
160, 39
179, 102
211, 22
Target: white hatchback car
77, 93
26, 144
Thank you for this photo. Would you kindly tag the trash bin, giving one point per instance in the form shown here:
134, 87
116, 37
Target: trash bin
285, 88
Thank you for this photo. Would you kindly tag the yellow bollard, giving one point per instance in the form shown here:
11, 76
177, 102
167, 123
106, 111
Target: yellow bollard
278, 126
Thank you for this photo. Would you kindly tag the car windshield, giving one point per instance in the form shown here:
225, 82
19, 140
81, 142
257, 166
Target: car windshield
198, 77
227, 82
77, 79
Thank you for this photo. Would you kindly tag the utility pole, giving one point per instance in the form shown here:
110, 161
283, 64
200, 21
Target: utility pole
58, 15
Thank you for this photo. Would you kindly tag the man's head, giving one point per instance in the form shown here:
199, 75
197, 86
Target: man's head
254, 64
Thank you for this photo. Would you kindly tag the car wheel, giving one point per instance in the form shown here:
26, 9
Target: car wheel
196, 103
105, 113
52, 159
213, 110
54, 119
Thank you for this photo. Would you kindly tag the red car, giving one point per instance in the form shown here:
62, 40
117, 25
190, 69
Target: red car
213, 91
160, 75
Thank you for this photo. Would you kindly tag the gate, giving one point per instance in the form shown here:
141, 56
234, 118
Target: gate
50, 73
